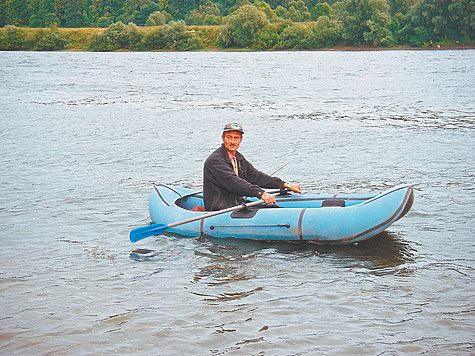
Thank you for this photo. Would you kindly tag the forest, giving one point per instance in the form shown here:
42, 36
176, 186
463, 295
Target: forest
108, 25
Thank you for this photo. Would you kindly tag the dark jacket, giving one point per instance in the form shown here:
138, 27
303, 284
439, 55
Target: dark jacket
222, 188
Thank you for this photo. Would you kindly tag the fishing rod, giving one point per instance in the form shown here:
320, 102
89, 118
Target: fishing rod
279, 169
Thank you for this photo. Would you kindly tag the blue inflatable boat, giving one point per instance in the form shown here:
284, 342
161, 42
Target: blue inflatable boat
324, 219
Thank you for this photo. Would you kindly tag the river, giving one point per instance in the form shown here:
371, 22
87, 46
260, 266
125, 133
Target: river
84, 136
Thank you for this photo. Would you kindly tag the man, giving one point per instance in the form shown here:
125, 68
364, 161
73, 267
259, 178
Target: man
228, 176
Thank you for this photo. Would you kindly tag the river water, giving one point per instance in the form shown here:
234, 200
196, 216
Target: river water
84, 136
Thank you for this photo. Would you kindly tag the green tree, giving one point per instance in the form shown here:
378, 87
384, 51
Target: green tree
70, 12
281, 12
3, 14
442, 19
321, 9
103, 13
266, 9
401, 6
298, 11
179, 8
398, 28
207, 14
158, 18
105, 21
240, 27
327, 32
366, 22
40, 12
464, 13
16, 12
138, 11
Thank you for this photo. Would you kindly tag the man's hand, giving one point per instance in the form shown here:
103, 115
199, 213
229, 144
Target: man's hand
293, 187
268, 198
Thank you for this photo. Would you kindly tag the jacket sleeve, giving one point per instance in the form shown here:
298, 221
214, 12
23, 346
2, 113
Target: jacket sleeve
261, 179
225, 176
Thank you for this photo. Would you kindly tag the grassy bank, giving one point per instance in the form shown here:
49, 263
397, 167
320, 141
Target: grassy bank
173, 37
117, 37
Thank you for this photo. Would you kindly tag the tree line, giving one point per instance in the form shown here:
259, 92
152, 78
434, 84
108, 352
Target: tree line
197, 24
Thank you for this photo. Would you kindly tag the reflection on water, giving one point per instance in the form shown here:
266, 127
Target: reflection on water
379, 255
144, 255
226, 297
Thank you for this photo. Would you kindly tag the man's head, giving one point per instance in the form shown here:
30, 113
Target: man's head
232, 136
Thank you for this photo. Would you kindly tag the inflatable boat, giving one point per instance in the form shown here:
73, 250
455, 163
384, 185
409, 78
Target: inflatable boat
321, 218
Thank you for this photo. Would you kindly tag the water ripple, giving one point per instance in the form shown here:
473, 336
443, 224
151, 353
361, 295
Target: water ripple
85, 136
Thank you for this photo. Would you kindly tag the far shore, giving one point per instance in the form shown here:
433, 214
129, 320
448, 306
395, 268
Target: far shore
347, 49
334, 49
79, 40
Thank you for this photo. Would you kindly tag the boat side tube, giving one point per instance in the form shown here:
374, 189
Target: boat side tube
163, 209
358, 222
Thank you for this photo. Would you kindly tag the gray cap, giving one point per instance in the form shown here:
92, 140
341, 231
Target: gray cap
233, 127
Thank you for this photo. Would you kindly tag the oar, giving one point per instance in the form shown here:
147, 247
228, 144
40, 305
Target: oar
141, 233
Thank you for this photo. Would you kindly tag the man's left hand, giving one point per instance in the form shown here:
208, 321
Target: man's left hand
293, 187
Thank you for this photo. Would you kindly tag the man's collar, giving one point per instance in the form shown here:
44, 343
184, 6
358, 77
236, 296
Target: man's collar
230, 155
225, 151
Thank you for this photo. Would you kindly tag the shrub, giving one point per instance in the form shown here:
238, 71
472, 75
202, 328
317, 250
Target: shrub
52, 40
418, 36
12, 39
265, 38
134, 36
177, 38
113, 38
297, 36
189, 42
117, 36
208, 35
154, 39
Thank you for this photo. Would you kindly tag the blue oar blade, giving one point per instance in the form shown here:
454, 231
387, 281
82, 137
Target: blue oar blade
143, 232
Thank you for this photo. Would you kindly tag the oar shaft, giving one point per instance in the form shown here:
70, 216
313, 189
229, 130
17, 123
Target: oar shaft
155, 229
214, 213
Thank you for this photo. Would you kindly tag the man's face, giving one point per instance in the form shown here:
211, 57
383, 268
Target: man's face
231, 140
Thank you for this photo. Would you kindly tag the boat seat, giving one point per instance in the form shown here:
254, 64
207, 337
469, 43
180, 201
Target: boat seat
337, 203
